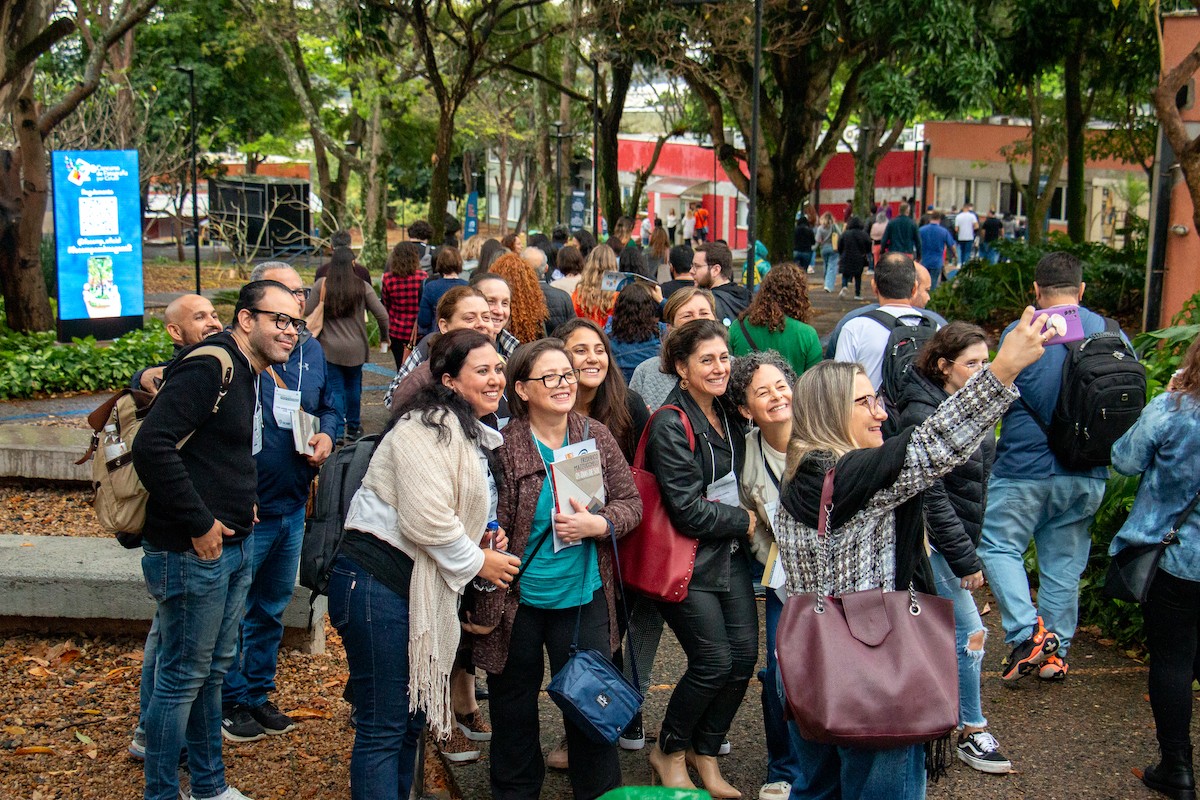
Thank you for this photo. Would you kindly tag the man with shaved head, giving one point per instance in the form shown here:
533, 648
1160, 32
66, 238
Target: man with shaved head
284, 476
189, 318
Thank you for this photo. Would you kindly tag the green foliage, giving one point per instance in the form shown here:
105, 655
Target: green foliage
983, 292
34, 363
1161, 352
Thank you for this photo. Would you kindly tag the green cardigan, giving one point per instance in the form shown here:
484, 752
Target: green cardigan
797, 342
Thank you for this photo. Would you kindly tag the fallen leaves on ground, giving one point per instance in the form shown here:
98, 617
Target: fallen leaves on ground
54, 511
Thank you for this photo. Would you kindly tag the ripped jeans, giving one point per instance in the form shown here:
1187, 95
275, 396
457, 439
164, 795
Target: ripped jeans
966, 623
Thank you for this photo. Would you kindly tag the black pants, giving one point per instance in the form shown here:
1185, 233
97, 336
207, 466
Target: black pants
517, 767
398, 346
856, 274
1172, 626
719, 633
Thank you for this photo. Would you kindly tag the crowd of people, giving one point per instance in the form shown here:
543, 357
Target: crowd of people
462, 557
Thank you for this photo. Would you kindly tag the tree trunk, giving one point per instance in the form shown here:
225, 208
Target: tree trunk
503, 185
439, 186
606, 151
543, 211
1076, 124
866, 161
375, 249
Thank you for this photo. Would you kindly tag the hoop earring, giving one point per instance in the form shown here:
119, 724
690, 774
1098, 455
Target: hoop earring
683, 384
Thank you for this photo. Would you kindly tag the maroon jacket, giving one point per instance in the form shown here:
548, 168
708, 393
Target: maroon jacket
524, 474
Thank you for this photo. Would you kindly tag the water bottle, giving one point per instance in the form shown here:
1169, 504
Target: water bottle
114, 446
482, 584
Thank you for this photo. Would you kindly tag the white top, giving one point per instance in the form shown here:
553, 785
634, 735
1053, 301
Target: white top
864, 340
967, 223
646, 228
689, 226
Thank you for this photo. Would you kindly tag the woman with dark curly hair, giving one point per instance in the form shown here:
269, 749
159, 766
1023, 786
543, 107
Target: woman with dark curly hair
402, 294
634, 328
777, 319
529, 312
584, 240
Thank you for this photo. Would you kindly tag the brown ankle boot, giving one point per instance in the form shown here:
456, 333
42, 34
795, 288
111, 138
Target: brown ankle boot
669, 769
710, 775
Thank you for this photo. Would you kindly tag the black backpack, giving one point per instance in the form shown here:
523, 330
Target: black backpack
340, 476
903, 344
1103, 393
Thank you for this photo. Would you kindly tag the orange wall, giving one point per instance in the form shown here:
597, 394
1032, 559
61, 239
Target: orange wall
292, 169
1182, 276
981, 141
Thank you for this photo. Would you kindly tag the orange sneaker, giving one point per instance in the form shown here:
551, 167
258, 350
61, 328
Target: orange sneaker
1055, 669
1030, 654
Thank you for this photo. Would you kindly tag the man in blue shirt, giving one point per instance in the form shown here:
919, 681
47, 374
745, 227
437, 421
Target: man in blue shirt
919, 299
274, 544
935, 240
1031, 496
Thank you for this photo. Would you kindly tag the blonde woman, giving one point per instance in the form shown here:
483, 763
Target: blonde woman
592, 302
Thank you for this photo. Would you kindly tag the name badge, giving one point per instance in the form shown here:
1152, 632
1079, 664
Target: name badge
286, 401
724, 490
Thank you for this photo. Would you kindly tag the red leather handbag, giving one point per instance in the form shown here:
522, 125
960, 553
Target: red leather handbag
657, 560
869, 669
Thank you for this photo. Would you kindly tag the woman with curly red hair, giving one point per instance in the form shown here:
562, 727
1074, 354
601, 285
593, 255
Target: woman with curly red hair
529, 312
777, 319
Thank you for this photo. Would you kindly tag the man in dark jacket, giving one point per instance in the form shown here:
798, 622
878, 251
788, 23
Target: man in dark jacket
557, 301
803, 241
712, 266
200, 510
900, 235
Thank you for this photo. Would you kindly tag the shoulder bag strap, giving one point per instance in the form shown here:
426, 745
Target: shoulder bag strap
1172, 536
275, 377
639, 457
746, 333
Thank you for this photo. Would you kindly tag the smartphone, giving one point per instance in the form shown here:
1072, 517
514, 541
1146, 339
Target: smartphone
1070, 315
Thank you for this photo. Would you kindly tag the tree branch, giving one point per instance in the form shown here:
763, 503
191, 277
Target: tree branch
35, 47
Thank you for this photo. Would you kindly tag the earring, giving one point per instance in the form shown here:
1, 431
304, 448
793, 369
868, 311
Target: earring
683, 384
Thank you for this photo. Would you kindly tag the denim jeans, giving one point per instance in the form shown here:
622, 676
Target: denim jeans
830, 257
966, 623
199, 606
825, 771
803, 257
964, 252
1172, 626
1054, 513
935, 273
345, 383
988, 252
781, 758
373, 623
149, 669
274, 552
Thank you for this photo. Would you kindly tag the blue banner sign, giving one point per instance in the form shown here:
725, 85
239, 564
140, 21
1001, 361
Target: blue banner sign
471, 226
98, 242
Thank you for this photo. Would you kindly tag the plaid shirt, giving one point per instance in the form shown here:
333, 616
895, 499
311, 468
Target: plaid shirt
401, 298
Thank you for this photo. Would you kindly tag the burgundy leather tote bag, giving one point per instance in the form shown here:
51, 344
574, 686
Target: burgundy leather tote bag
657, 560
869, 669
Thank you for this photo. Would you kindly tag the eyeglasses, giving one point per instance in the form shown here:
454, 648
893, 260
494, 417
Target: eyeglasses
301, 294
553, 381
282, 321
972, 365
871, 402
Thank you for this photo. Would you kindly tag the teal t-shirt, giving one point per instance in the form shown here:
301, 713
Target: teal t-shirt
564, 579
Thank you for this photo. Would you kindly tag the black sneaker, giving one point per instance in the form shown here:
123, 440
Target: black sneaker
980, 751
272, 720
1030, 654
239, 725
634, 735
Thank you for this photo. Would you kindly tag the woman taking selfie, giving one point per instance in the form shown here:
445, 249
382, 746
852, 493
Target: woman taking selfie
556, 592
413, 542
876, 533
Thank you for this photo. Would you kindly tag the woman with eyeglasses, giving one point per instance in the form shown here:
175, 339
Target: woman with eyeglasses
344, 334
876, 530
717, 623
566, 581
954, 508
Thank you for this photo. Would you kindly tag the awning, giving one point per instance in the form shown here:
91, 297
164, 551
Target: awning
675, 186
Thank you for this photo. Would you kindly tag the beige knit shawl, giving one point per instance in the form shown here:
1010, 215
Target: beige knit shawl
440, 493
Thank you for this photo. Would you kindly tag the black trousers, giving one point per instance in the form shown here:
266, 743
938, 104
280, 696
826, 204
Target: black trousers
1172, 626
517, 767
719, 633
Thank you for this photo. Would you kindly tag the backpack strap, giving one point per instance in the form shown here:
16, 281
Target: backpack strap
883, 318
222, 355
746, 333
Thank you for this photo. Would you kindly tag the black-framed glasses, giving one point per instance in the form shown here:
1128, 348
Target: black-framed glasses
281, 320
553, 380
301, 294
871, 402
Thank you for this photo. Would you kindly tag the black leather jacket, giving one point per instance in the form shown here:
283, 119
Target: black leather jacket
683, 475
954, 506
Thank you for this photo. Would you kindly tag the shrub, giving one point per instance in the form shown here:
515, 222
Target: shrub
35, 363
984, 292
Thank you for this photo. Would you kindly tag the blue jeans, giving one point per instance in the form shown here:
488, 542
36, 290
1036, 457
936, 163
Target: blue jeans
274, 553
803, 257
373, 623
966, 623
199, 606
828, 772
1054, 513
988, 253
964, 252
346, 385
935, 273
781, 758
830, 257
149, 670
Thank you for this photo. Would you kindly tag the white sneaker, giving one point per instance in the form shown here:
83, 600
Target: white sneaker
776, 790
230, 793
724, 749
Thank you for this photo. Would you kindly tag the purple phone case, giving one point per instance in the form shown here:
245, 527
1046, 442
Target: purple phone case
1074, 323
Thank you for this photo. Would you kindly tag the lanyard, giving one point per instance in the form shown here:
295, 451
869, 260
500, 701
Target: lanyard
712, 455
762, 450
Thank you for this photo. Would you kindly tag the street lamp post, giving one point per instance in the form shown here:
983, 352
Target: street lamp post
191, 73
752, 161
